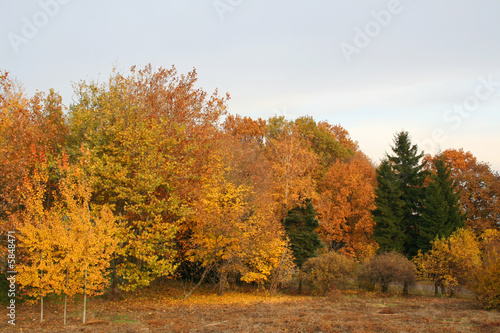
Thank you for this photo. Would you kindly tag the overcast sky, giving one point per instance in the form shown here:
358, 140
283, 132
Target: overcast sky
375, 67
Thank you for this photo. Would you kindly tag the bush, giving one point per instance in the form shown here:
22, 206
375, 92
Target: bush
486, 278
388, 268
328, 271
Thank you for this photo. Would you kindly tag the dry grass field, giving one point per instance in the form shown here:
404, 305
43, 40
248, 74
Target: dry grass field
163, 310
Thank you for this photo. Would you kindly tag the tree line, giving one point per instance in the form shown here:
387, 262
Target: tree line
146, 177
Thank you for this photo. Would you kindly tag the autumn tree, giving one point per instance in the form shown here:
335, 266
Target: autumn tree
484, 281
233, 231
29, 128
90, 238
148, 134
479, 188
344, 207
451, 261
292, 163
65, 242
441, 212
329, 143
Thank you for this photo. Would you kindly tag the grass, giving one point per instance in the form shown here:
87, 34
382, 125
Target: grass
162, 309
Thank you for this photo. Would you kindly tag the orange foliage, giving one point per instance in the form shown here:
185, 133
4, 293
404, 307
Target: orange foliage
346, 199
479, 186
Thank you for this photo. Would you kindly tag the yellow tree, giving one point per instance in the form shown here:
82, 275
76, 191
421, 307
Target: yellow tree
40, 233
91, 237
452, 261
232, 232
67, 246
292, 163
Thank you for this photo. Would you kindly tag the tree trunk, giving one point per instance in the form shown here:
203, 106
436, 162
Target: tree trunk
207, 269
66, 297
406, 288
85, 297
41, 309
275, 279
222, 283
114, 280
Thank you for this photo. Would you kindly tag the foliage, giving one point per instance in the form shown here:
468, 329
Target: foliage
329, 271
387, 268
31, 129
233, 232
479, 189
292, 165
147, 134
407, 165
451, 261
65, 241
485, 282
389, 230
300, 226
441, 213
347, 197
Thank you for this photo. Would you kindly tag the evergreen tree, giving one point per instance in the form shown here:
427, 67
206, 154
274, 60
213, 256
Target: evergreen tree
388, 214
441, 214
408, 166
300, 226
399, 210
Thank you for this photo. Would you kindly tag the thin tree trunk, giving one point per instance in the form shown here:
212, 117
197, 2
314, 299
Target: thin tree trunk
406, 288
85, 297
275, 279
114, 279
222, 283
66, 297
41, 309
207, 269
41, 278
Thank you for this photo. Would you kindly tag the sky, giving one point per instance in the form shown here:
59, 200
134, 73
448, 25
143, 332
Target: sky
431, 68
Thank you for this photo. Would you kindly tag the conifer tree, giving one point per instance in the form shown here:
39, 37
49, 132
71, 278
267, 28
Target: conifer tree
408, 166
300, 226
388, 214
408, 173
441, 214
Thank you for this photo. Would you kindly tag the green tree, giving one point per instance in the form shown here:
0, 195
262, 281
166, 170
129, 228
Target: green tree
389, 229
441, 214
408, 166
300, 227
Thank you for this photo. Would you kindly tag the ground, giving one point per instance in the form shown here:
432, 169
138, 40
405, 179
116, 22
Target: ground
163, 310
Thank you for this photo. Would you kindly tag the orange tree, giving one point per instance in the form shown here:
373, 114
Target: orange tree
479, 188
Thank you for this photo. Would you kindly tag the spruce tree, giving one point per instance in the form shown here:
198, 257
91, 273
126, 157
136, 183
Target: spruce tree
300, 226
441, 214
388, 214
405, 168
